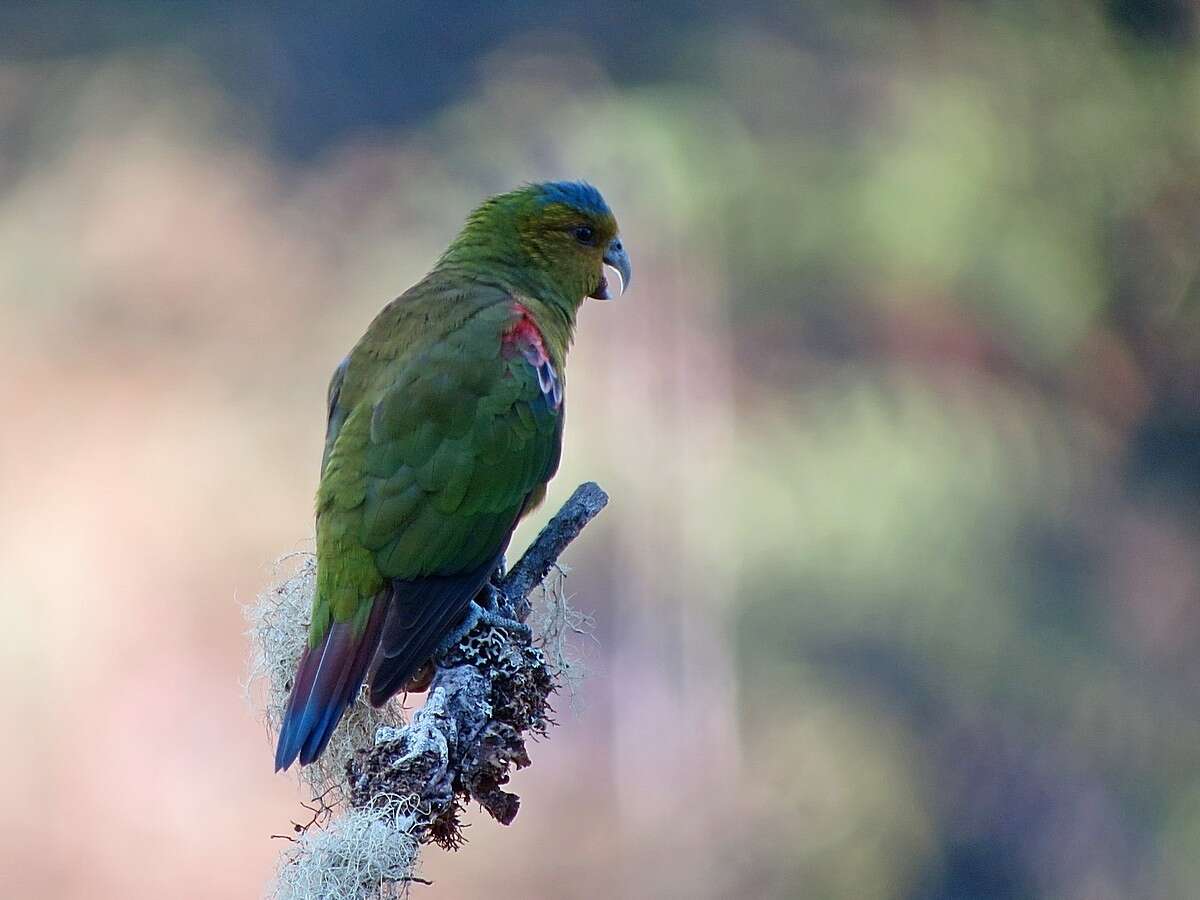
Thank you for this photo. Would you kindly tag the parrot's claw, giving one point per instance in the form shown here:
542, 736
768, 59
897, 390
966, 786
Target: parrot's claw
478, 615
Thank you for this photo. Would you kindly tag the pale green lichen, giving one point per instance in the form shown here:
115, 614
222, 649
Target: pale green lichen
363, 853
370, 849
278, 632
559, 628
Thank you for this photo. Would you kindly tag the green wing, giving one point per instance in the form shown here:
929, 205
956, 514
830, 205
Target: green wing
456, 446
427, 473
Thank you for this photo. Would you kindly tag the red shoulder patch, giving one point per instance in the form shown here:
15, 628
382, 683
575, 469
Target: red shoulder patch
524, 338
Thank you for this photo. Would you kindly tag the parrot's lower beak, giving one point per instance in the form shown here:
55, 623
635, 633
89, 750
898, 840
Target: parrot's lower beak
617, 259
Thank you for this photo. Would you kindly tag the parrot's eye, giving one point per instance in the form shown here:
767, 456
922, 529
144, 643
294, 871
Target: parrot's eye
585, 234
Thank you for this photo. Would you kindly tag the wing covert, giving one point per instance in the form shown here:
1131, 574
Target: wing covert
467, 431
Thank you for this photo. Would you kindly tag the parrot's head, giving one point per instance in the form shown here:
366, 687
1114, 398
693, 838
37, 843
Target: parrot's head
557, 235
569, 232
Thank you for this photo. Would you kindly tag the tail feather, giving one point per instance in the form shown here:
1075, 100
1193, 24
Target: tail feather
422, 614
327, 681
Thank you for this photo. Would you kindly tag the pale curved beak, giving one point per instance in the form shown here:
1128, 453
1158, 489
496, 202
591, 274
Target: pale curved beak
617, 259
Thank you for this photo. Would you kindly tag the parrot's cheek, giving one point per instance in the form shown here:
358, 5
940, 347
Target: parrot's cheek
602, 291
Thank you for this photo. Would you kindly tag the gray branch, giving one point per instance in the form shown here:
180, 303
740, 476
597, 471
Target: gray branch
581, 507
489, 693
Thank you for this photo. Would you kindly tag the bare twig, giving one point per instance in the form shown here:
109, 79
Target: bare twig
533, 566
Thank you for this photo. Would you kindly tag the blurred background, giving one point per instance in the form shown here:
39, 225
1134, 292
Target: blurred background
898, 594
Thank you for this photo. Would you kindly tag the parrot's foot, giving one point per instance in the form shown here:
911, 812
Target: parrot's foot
478, 615
489, 598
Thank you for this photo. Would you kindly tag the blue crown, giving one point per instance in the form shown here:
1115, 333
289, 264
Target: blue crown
576, 194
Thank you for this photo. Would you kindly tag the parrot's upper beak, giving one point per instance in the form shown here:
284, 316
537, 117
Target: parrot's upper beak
616, 258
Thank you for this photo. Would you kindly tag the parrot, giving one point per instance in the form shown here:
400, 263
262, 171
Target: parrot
444, 425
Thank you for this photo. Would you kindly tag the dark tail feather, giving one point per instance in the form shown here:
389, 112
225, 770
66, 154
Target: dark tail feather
421, 615
327, 681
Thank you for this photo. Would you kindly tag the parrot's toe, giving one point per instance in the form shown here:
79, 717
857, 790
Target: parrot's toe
489, 598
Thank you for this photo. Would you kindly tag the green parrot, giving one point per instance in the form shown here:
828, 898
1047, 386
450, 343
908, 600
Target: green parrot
445, 424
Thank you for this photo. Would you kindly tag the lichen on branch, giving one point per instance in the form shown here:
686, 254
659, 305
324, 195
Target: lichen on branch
410, 785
